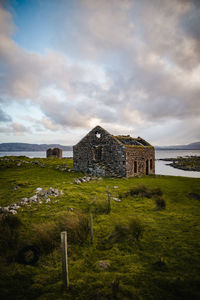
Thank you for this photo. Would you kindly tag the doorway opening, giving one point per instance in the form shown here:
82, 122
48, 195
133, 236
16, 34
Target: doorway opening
135, 167
98, 153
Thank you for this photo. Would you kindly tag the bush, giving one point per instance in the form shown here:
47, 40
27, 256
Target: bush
11, 222
9, 233
120, 232
136, 229
142, 191
133, 231
77, 226
46, 236
99, 207
160, 203
156, 192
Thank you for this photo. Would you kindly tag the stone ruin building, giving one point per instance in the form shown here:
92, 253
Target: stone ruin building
56, 152
102, 154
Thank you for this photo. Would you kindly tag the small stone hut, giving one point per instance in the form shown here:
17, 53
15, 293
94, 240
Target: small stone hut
56, 152
102, 154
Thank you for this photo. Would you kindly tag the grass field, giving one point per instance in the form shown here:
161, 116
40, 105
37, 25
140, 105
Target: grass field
148, 251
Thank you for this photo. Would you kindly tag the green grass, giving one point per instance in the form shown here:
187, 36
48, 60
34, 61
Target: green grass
163, 263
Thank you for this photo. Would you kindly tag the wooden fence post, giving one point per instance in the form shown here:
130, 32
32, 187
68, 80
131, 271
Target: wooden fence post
91, 228
64, 259
108, 195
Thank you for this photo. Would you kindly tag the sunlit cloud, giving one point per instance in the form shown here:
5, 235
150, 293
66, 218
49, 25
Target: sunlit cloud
129, 66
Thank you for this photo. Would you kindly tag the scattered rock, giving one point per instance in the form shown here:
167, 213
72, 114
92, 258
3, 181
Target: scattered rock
38, 190
77, 181
104, 264
70, 209
115, 187
16, 187
116, 199
85, 179
14, 206
4, 210
33, 198
12, 211
41, 194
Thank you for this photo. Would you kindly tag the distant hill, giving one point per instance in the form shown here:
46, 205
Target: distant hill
192, 146
14, 147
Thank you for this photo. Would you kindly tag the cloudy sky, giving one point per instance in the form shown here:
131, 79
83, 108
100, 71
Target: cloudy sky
131, 66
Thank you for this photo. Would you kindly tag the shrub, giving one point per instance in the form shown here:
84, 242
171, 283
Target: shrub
9, 233
133, 231
160, 203
46, 236
142, 191
77, 226
120, 232
156, 192
10, 221
99, 207
136, 229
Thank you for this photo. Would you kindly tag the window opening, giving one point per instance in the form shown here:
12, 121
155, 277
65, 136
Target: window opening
98, 135
98, 153
151, 164
147, 167
135, 166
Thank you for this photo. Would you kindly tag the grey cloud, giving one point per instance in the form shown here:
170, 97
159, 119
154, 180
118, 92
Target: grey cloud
64, 113
150, 61
15, 128
4, 117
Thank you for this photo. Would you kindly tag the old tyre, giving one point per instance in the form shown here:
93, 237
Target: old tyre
28, 255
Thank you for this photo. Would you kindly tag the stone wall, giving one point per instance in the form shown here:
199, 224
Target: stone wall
140, 160
54, 152
100, 154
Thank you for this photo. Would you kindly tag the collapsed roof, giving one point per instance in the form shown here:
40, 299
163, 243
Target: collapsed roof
127, 140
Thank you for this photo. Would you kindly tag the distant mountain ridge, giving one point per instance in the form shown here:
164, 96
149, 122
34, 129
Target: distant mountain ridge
15, 147
192, 146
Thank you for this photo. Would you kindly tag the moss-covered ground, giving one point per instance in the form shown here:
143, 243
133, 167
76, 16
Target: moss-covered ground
163, 263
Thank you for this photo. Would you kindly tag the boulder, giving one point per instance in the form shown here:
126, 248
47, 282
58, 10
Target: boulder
38, 190
104, 264
12, 211
116, 199
33, 198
